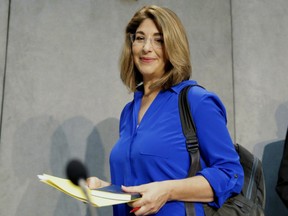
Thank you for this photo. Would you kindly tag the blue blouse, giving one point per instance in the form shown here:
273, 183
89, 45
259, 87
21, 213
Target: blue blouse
155, 150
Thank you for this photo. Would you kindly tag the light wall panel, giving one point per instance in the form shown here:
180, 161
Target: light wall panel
260, 45
63, 94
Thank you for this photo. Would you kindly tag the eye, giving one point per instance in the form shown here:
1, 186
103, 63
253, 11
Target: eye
139, 38
158, 40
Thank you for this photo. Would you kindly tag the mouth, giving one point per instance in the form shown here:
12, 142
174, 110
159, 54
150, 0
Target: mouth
147, 59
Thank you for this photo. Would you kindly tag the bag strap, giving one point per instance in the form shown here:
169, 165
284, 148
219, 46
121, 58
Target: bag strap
189, 131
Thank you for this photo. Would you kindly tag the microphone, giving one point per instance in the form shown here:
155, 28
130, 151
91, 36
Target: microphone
76, 171
77, 174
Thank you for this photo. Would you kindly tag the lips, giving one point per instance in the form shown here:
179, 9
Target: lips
147, 59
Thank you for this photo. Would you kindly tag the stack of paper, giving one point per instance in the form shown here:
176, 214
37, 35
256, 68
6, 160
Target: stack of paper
106, 196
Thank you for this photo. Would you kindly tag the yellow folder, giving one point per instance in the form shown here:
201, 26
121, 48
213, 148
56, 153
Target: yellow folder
67, 187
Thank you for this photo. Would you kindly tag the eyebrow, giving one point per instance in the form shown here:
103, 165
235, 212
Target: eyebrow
155, 34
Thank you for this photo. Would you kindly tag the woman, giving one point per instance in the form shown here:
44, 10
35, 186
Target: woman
150, 156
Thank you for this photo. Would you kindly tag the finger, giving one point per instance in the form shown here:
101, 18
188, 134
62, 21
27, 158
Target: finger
131, 189
141, 211
138, 210
93, 182
134, 209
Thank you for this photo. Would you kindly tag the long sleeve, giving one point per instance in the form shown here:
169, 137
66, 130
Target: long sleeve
219, 159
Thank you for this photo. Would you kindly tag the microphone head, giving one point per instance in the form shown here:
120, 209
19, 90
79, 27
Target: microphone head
75, 171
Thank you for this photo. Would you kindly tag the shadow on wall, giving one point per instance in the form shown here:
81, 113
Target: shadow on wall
99, 145
42, 145
272, 154
30, 156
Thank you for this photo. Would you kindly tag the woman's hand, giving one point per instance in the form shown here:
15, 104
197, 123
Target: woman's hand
154, 196
94, 182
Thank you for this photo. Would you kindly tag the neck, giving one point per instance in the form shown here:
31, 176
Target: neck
148, 92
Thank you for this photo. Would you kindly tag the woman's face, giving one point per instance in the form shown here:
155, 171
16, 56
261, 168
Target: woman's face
148, 51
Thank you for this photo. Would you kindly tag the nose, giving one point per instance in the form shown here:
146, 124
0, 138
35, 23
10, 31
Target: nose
147, 45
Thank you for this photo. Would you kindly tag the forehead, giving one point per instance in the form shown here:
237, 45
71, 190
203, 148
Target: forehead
148, 27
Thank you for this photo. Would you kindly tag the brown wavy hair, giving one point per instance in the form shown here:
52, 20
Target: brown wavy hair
178, 66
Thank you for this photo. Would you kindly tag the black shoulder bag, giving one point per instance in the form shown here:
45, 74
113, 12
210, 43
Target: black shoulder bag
251, 200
